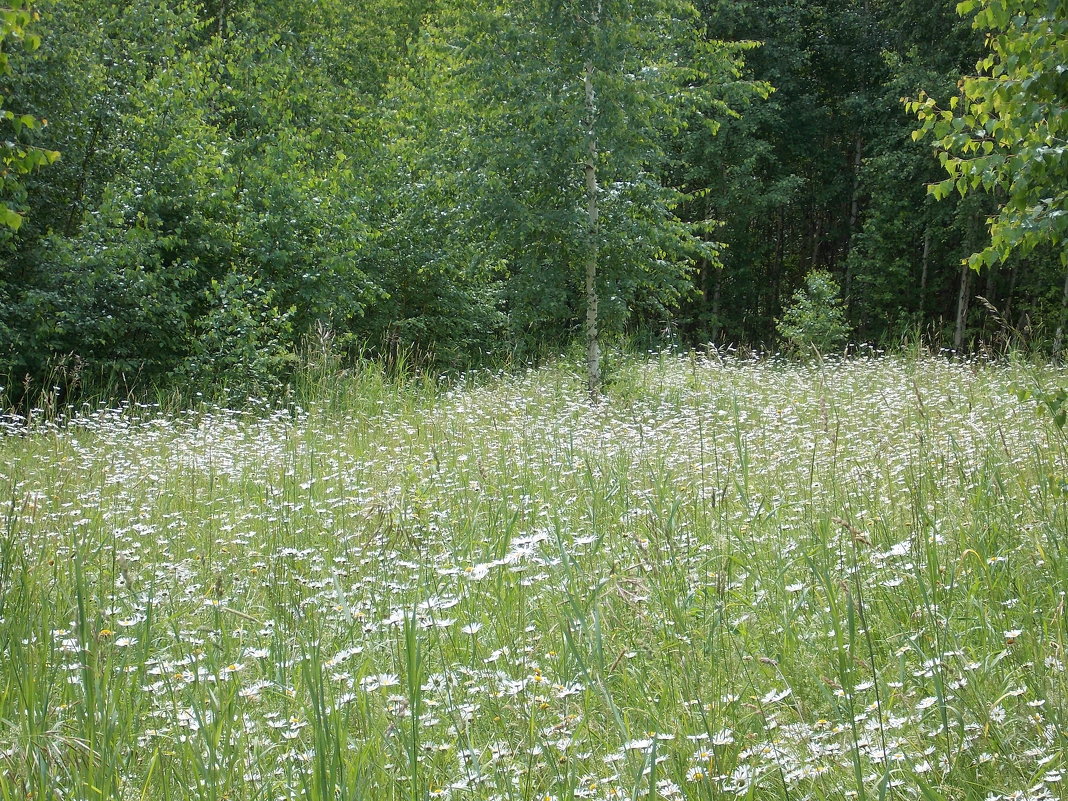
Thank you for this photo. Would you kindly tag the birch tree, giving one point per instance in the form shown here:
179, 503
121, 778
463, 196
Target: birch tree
575, 101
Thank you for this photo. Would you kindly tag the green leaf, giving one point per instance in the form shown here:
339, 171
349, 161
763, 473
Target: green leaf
10, 218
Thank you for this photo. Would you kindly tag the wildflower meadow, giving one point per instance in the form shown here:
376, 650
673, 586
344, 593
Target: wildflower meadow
728, 579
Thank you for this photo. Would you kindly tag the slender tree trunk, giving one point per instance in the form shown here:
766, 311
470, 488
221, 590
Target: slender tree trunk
593, 347
83, 173
780, 256
816, 233
717, 295
925, 265
963, 297
1058, 338
854, 215
1011, 291
709, 290
962, 306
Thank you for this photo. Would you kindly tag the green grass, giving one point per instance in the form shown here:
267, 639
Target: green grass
728, 580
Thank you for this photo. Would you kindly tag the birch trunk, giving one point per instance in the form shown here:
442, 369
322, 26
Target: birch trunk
854, 216
924, 261
963, 298
780, 256
717, 296
593, 347
962, 306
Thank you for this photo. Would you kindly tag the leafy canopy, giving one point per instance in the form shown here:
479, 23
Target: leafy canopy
1005, 132
16, 157
515, 78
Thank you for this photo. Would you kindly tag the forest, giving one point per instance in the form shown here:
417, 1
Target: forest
200, 193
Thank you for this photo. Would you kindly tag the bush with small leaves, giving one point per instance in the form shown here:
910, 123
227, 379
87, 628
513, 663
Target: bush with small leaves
244, 343
815, 320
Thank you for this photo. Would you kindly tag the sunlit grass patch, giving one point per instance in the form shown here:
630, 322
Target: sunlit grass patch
729, 579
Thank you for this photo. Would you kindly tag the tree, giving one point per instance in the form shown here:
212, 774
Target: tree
17, 157
905, 256
785, 177
814, 322
213, 187
574, 102
1005, 132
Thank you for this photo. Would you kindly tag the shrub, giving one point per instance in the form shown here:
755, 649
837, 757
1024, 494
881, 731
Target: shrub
815, 320
244, 342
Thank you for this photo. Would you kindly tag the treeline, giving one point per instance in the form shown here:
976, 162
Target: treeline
239, 178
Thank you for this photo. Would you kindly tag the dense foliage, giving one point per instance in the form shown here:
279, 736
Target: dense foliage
242, 178
16, 157
1006, 130
814, 323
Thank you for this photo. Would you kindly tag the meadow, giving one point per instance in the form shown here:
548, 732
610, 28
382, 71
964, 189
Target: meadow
728, 579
